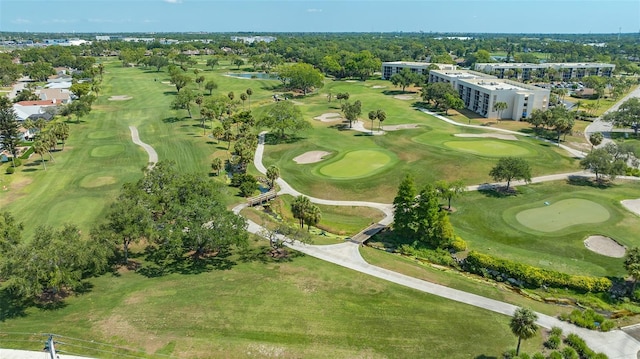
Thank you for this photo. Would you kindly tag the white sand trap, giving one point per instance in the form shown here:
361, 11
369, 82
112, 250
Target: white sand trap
604, 246
351, 81
632, 204
329, 117
166, 82
120, 98
310, 157
407, 126
501, 136
404, 97
378, 87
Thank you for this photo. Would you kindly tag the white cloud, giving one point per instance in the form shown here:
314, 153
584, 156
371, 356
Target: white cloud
314, 10
173, 1
21, 21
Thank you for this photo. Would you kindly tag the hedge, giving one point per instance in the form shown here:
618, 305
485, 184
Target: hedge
533, 276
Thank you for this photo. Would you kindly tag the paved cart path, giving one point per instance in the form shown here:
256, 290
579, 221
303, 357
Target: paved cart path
153, 155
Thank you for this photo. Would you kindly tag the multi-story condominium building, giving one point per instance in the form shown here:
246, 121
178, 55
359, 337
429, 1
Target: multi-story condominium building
453, 76
480, 95
565, 71
391, 68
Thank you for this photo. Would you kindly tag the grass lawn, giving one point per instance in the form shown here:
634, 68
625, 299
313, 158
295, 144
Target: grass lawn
550, 236
304, 308
489, 148
357, 164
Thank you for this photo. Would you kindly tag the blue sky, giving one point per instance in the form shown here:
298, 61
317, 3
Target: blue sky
510, 16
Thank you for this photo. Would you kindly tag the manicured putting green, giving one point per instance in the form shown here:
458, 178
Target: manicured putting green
488, 148
562, 214
356, 164
107, 151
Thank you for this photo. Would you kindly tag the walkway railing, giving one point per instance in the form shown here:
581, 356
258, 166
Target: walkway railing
265, 197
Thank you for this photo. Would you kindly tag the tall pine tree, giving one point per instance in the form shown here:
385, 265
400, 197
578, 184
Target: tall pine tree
403, 205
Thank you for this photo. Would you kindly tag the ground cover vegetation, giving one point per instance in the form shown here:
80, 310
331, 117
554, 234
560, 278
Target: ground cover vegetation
176, 137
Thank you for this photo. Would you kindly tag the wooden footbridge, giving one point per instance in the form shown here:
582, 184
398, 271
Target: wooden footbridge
262, 198
367, 233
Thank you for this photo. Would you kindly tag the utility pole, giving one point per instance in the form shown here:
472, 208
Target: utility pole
49, 346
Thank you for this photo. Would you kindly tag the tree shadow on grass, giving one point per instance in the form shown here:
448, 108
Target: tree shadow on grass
159, 264
482, 356
588, 182
272, 139
396, 92
495, 191
171, 119
11, 306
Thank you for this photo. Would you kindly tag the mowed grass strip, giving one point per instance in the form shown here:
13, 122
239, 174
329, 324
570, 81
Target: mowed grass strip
551, 217
303, 308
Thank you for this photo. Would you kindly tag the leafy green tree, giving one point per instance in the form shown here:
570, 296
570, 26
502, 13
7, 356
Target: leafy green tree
9, 132
312, 216
210, 86
632, 265
351, 111
628, 115
213, 62
39, 70
238, 62
523, 325
180, 80
404, 216
381, 116
405, 78
602, 162
284, 116
273, 173
436, 92
158, 62
449, 190
249, 92
510, 168
183, 101
451, 102
243, 98
301, 76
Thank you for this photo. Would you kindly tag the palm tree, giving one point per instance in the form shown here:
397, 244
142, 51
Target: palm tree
577, 105
249, 92
523, 325
243, 98
217, 133
273, 173
312, 216
216, 165
299, 208
372, 116
499, 107
595, 139
381, 115
40, 147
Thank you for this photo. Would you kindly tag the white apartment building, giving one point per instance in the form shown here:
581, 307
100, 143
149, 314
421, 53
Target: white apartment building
480, 95
566, 70
391, 68
453, 76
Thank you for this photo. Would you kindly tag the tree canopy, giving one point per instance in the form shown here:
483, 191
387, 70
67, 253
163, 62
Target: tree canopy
284, 116
510, 168
628, 115
301, 76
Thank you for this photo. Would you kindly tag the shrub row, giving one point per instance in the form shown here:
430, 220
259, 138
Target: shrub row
581, 348
588, 319
437, 256
533, 276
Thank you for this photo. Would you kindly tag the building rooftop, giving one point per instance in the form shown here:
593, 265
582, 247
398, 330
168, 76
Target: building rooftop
501, 84
463, 74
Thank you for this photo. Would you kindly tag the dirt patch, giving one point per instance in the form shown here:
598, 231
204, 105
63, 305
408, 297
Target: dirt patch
632, 205
604, 246
404, 97
400, 127
118, 326
310, 157
12, 191
501, 136
120, 98
329, 117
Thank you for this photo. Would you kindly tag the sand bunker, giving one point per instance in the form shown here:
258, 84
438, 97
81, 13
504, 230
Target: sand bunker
604, 246
120, 98
502, 136
166, 82
399, 127
310, 157
351, 81
404, 97
378, 87
632, 204
329, 117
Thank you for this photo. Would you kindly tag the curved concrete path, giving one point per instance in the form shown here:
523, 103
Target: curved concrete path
598, 125
153, 155
615, 344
